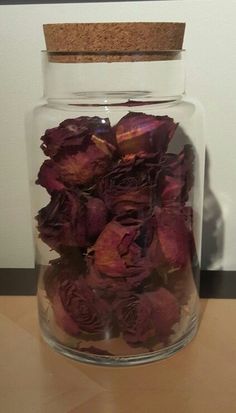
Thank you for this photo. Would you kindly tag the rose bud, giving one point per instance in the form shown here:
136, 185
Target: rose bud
90, 312
137, 132
71, 219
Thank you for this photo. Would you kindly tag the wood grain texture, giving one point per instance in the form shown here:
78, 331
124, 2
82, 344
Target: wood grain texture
200, 378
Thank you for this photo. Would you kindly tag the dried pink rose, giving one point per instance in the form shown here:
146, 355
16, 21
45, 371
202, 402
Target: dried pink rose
71, 219
90, 312
137, 132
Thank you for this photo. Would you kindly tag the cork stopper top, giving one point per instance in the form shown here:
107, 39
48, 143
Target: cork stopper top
107, 42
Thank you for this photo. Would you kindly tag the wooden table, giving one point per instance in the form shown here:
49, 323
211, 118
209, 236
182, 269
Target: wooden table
199, 379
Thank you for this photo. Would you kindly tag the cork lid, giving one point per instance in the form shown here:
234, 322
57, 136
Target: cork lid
108, 42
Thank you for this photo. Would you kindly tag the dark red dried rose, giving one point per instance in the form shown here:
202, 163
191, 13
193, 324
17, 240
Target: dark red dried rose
68, 266
81, 149
131, 185
83, 167
181, 284
71, 219
90, 312
120, 250
145, 316
61, 316
111, 286
171, 245
137, 132
176, 177
135, 318
49, 177
166, 311
75, 135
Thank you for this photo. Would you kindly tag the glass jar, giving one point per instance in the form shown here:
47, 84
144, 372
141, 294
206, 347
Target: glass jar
118, 203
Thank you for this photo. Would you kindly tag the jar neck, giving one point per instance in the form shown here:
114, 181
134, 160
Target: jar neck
114, 83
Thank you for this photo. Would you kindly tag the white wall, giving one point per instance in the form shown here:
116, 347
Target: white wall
211, 45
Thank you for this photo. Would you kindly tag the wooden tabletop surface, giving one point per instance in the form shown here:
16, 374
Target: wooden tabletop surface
199, 379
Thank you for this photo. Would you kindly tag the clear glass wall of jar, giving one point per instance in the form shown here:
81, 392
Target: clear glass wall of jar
118, 205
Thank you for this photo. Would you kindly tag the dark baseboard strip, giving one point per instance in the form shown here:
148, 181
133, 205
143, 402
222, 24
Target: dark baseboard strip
218, 284
18, 281
214, 284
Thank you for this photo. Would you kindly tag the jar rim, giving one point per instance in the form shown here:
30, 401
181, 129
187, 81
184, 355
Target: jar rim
112, 56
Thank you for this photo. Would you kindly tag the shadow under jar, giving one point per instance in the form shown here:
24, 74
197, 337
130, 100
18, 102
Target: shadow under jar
118, 206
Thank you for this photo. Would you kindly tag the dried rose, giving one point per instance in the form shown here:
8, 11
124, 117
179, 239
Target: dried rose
71, 219
137, 132
73, 135
75, 169
135, 319
68, 266
170, 248
62, 318
176, 177
81, 149
49, 177
146, 316
90, 312
110, 287
182, 284
166, 310
131, 185
83, 167
120, 250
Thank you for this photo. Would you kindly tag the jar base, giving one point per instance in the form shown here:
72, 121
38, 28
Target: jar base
119, 361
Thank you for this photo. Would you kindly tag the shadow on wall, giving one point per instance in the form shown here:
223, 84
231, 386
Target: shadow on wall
213, 227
